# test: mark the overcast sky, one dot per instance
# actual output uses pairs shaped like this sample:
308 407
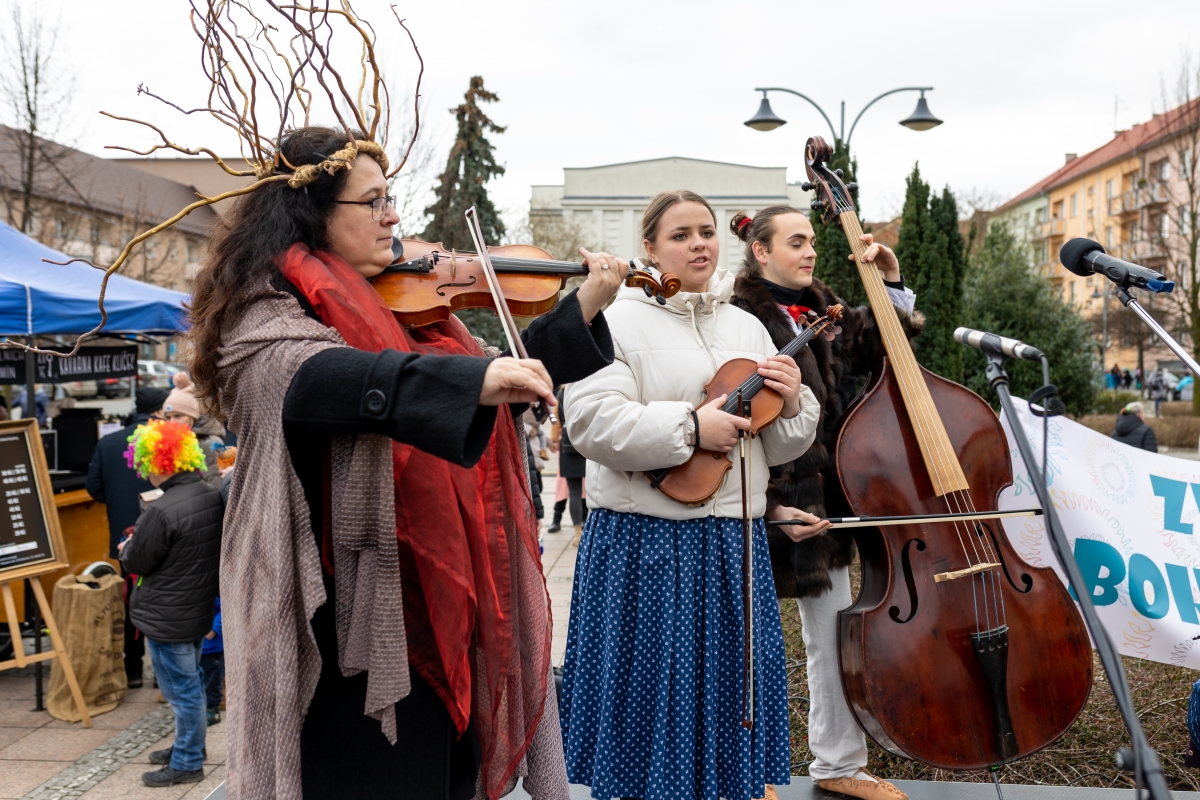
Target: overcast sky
1018 83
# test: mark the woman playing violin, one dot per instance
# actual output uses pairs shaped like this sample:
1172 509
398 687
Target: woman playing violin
372 457
777 286
653 679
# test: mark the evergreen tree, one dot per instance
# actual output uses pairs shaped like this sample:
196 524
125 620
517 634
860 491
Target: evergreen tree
931 253
472 163
834 267
1003 295
912 226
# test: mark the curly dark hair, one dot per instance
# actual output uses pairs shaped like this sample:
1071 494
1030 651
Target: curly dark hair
241 255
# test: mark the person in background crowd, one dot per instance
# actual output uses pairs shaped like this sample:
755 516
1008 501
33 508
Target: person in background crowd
1114 377
41 404
1157 386
175 551
1192 757
1137 379
212 667
1126 379
535 461
111 481
182 406
572 468
1131 429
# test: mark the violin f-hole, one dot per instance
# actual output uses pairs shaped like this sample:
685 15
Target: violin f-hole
906 564
454 286
982 528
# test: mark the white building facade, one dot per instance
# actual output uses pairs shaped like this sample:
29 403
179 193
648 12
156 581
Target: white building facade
607 202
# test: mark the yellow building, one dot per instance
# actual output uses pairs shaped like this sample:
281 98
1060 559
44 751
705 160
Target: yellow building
1114 195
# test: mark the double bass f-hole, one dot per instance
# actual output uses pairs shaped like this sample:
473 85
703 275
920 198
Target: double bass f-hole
983 529
906 564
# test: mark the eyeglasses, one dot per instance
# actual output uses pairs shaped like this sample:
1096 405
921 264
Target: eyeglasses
380 206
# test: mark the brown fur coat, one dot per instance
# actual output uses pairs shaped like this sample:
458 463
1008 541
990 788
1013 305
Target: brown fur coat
832 371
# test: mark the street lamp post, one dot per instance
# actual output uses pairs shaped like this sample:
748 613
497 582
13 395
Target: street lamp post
921 119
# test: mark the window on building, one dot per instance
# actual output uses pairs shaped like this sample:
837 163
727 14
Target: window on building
151 247
60 227
1091 213
1074 205
1058 210
1089 280
1044 214
1108 236
1109 188
1163 169
1185 163
95 231
1091 190
1185 221
1164 226
1072 292
192 252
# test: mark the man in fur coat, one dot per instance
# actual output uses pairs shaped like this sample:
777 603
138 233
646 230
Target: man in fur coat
777 286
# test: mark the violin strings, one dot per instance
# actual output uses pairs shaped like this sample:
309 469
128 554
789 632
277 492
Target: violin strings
922 402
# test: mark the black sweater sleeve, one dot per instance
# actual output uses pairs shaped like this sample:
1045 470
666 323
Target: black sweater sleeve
428 401
567 346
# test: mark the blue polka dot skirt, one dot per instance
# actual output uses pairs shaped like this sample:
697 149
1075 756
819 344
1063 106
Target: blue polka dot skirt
652 684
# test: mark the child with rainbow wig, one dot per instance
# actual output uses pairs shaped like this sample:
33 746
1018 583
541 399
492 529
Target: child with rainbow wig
175 552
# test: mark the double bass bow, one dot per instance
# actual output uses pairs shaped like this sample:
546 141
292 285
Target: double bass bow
956 652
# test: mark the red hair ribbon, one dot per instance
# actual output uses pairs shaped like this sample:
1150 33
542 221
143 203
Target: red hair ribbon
745 221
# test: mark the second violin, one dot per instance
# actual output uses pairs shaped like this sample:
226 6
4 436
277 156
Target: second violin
432 282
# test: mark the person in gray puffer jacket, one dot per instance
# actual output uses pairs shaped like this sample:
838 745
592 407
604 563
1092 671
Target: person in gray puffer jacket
175 551
1131 428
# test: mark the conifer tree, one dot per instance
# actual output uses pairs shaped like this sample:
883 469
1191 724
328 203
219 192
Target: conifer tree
472 163
912 225
834 267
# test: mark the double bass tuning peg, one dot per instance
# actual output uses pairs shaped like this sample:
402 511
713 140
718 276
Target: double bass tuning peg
817 205
806 186
852 187
839 173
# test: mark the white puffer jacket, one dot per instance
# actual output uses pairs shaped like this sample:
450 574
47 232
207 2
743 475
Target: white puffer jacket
635 414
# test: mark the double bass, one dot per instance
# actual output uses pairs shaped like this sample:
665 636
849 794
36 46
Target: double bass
956 652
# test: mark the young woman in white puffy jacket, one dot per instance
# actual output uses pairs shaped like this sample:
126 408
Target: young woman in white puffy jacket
652 685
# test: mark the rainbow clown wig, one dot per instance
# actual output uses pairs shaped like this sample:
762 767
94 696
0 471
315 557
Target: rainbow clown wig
164 448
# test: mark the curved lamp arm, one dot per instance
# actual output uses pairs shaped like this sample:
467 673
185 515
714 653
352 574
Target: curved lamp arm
921 89
765 89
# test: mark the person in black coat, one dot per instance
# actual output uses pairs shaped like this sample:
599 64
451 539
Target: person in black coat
175 551
111 481
1131 429
572 466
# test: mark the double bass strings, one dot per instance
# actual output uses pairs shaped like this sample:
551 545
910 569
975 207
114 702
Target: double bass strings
922 415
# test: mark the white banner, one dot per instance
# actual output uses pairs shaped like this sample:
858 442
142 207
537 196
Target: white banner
1129 517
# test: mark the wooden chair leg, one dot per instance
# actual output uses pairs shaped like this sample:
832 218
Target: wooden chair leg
14 627
61 651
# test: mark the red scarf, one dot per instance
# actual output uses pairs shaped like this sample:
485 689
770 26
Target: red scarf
454 526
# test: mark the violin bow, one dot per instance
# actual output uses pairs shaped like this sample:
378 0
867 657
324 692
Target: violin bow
515 345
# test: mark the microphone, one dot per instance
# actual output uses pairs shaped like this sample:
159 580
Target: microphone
997 345
1086 257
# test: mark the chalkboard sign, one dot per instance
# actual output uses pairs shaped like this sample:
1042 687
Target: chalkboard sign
30 539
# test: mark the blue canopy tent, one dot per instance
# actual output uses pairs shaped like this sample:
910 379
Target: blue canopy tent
43 299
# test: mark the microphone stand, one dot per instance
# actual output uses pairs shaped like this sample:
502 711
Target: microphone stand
1147 767
1129 301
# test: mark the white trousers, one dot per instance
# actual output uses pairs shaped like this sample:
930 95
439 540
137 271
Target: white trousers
838 745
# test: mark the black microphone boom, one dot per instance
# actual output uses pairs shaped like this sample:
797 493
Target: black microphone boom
997 345
1086 257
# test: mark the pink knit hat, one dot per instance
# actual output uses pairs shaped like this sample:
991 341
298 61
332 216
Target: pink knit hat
182 399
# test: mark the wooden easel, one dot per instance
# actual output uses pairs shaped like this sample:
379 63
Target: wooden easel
35 459
59 652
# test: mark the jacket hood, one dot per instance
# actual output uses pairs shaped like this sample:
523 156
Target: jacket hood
1127 424
720 290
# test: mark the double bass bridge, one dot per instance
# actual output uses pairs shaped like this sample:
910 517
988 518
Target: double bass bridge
963 573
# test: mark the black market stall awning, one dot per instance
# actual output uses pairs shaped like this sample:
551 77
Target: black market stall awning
89 364
37 298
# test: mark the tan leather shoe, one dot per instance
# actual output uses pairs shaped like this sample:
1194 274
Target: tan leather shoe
879 789
769 793
578 535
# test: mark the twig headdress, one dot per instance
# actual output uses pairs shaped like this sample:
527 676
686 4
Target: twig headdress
265 59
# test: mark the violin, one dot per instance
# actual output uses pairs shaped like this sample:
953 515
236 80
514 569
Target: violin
432 282
697 480
956 652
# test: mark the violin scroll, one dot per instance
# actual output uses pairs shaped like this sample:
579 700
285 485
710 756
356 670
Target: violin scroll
662 287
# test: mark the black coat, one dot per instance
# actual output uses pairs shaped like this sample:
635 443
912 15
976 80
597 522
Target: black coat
1132 431
176 552
110 480
571 463
832 371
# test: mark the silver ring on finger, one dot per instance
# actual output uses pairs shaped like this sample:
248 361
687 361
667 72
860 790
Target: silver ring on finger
604 265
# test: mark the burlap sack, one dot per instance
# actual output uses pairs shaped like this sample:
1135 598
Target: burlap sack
92 624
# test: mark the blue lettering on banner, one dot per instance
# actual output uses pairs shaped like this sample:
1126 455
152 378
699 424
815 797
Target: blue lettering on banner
1173 493
1092 556
1181 587
1142 571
